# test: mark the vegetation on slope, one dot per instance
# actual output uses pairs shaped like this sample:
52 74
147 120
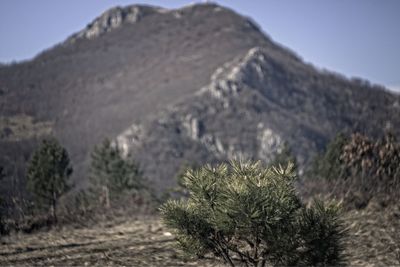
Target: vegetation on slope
359 170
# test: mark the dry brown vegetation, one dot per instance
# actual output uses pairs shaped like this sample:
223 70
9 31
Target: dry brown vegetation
130 242
373 241
19 127
374 236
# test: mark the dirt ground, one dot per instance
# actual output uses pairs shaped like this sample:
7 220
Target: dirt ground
374 241
374 237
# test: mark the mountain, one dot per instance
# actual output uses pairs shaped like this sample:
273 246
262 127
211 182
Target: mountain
180 87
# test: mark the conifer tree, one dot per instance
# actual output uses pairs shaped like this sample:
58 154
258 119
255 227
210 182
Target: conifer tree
48 174
329 165
249 215
111 173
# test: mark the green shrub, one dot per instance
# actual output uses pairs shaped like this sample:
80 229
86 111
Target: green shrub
247 214
48 174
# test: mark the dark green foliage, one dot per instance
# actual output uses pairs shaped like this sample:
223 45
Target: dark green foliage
250 215
322 233
48 173
113 172
329 165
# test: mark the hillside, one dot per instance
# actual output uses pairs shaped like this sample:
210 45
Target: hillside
174 87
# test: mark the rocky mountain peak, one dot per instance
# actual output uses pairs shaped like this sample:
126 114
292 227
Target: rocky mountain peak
113 18
118 16
195 85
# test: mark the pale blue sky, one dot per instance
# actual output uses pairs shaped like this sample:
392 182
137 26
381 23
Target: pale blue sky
353 37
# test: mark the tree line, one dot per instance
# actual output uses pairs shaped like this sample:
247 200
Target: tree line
246 213
49 171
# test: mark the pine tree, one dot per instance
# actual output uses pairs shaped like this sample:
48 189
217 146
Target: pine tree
329 165
48 174
111 173
249 215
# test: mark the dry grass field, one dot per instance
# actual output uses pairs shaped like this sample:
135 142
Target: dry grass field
374 240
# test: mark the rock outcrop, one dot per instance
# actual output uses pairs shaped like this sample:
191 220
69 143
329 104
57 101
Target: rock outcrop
183 87
238 115
114 18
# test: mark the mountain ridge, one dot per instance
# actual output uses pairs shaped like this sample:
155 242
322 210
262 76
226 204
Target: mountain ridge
230 95
188 86
114 18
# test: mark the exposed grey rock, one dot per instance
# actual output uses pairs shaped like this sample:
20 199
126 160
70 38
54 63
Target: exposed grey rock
196 85
270 143
129 139
193 126
114 18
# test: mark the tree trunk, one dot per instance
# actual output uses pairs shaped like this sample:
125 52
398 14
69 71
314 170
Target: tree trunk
106 196
54 208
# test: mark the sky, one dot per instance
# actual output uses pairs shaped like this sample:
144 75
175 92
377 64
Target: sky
357 38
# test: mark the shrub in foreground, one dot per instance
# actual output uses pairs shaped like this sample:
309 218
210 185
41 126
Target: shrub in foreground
249 215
